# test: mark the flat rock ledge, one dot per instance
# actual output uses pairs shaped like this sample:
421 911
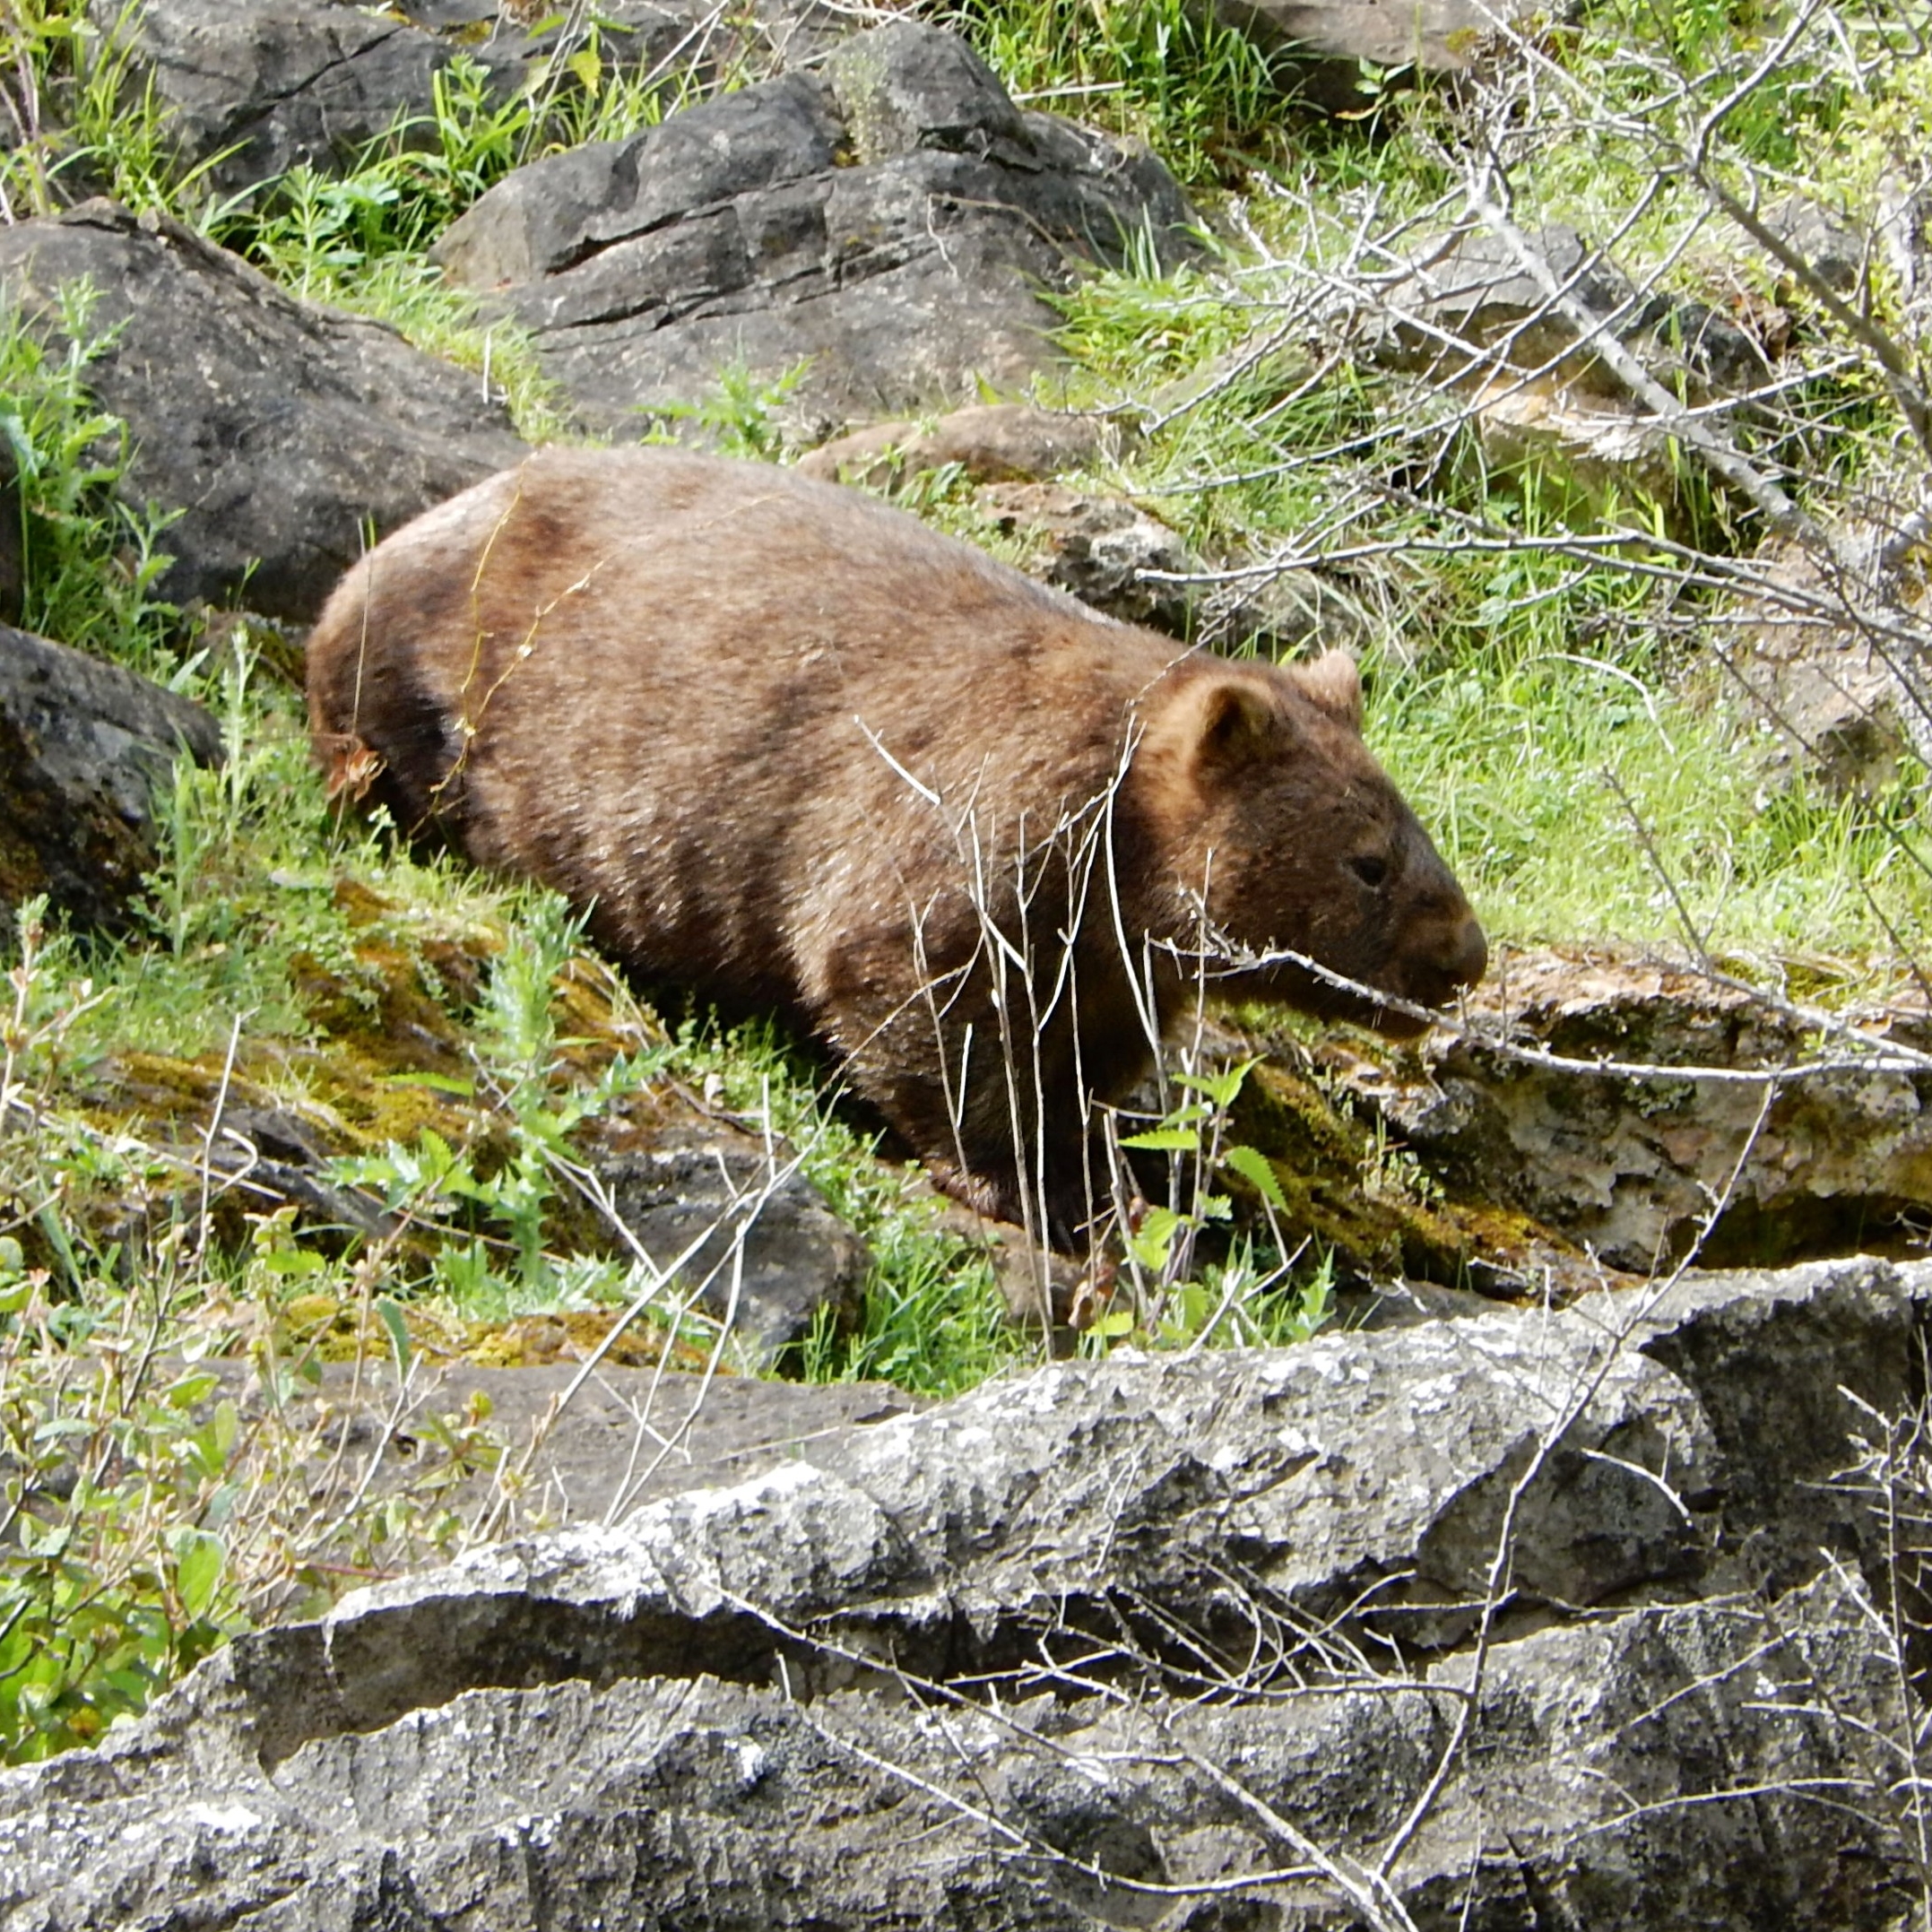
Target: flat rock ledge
1518 1620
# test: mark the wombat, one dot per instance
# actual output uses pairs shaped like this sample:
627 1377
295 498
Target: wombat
796 751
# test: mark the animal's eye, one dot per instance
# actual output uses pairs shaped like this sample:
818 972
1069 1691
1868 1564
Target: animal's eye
1370 867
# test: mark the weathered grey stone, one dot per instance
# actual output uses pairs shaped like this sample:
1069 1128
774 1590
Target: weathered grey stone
1904 237
1832 249
1788 1368
1438 36
1357 1484
83 746
1102 549
990 443
766 1251
279 430
658 1803
1473 285
1629 1164
625 1436
257 87
1836 661
703 1717
1471 315
890 225
1283 612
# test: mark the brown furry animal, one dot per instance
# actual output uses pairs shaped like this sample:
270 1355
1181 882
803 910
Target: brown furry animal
798 752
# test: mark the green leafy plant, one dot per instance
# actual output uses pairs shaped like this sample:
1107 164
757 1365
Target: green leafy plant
90 563
85 123
1174 1301
740 412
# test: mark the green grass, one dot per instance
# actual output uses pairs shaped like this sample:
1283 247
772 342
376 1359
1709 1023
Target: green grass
1158 71
91 561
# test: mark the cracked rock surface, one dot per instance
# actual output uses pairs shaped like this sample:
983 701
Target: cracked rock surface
886 223
83 746
257 87
277 429
1520 1619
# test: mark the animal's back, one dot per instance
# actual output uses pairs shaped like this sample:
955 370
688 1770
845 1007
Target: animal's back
706 695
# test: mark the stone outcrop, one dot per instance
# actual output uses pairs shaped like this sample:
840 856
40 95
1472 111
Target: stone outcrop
1437 36
1474 315
1833 656
887 223
765 1252
255 87
280 431
1106 551
1507 1621
1629 1163
987 442
83 745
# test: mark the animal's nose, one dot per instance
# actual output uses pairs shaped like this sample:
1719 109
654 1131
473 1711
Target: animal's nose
1468 958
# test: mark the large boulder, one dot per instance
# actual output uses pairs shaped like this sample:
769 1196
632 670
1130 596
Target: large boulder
1834 652
254 87
83 745
889 223
284 434
1459 1623
987 442
1474 314
1618 1101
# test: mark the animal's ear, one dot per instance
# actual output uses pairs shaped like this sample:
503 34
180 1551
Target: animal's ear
1234 721
1334 685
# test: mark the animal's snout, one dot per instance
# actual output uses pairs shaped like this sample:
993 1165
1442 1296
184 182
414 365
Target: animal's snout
1468 958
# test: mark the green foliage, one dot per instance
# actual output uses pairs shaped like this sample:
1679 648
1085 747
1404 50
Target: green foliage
1171 1299
90 563
541 1106
1201 95
932 1319
115 1583
88 126
740 417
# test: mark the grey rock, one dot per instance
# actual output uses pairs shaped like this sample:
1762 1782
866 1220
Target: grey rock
1836 661
1903 234
278 430
1788 1368
624 1436
989 443
660 1801
257 87
1109 554
1834 250
1628 1164
765 1252
1053 1654
1438 36
1472 285
888 225
83 746
1282 612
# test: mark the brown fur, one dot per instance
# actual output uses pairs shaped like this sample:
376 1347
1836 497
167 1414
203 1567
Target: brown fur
800 752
